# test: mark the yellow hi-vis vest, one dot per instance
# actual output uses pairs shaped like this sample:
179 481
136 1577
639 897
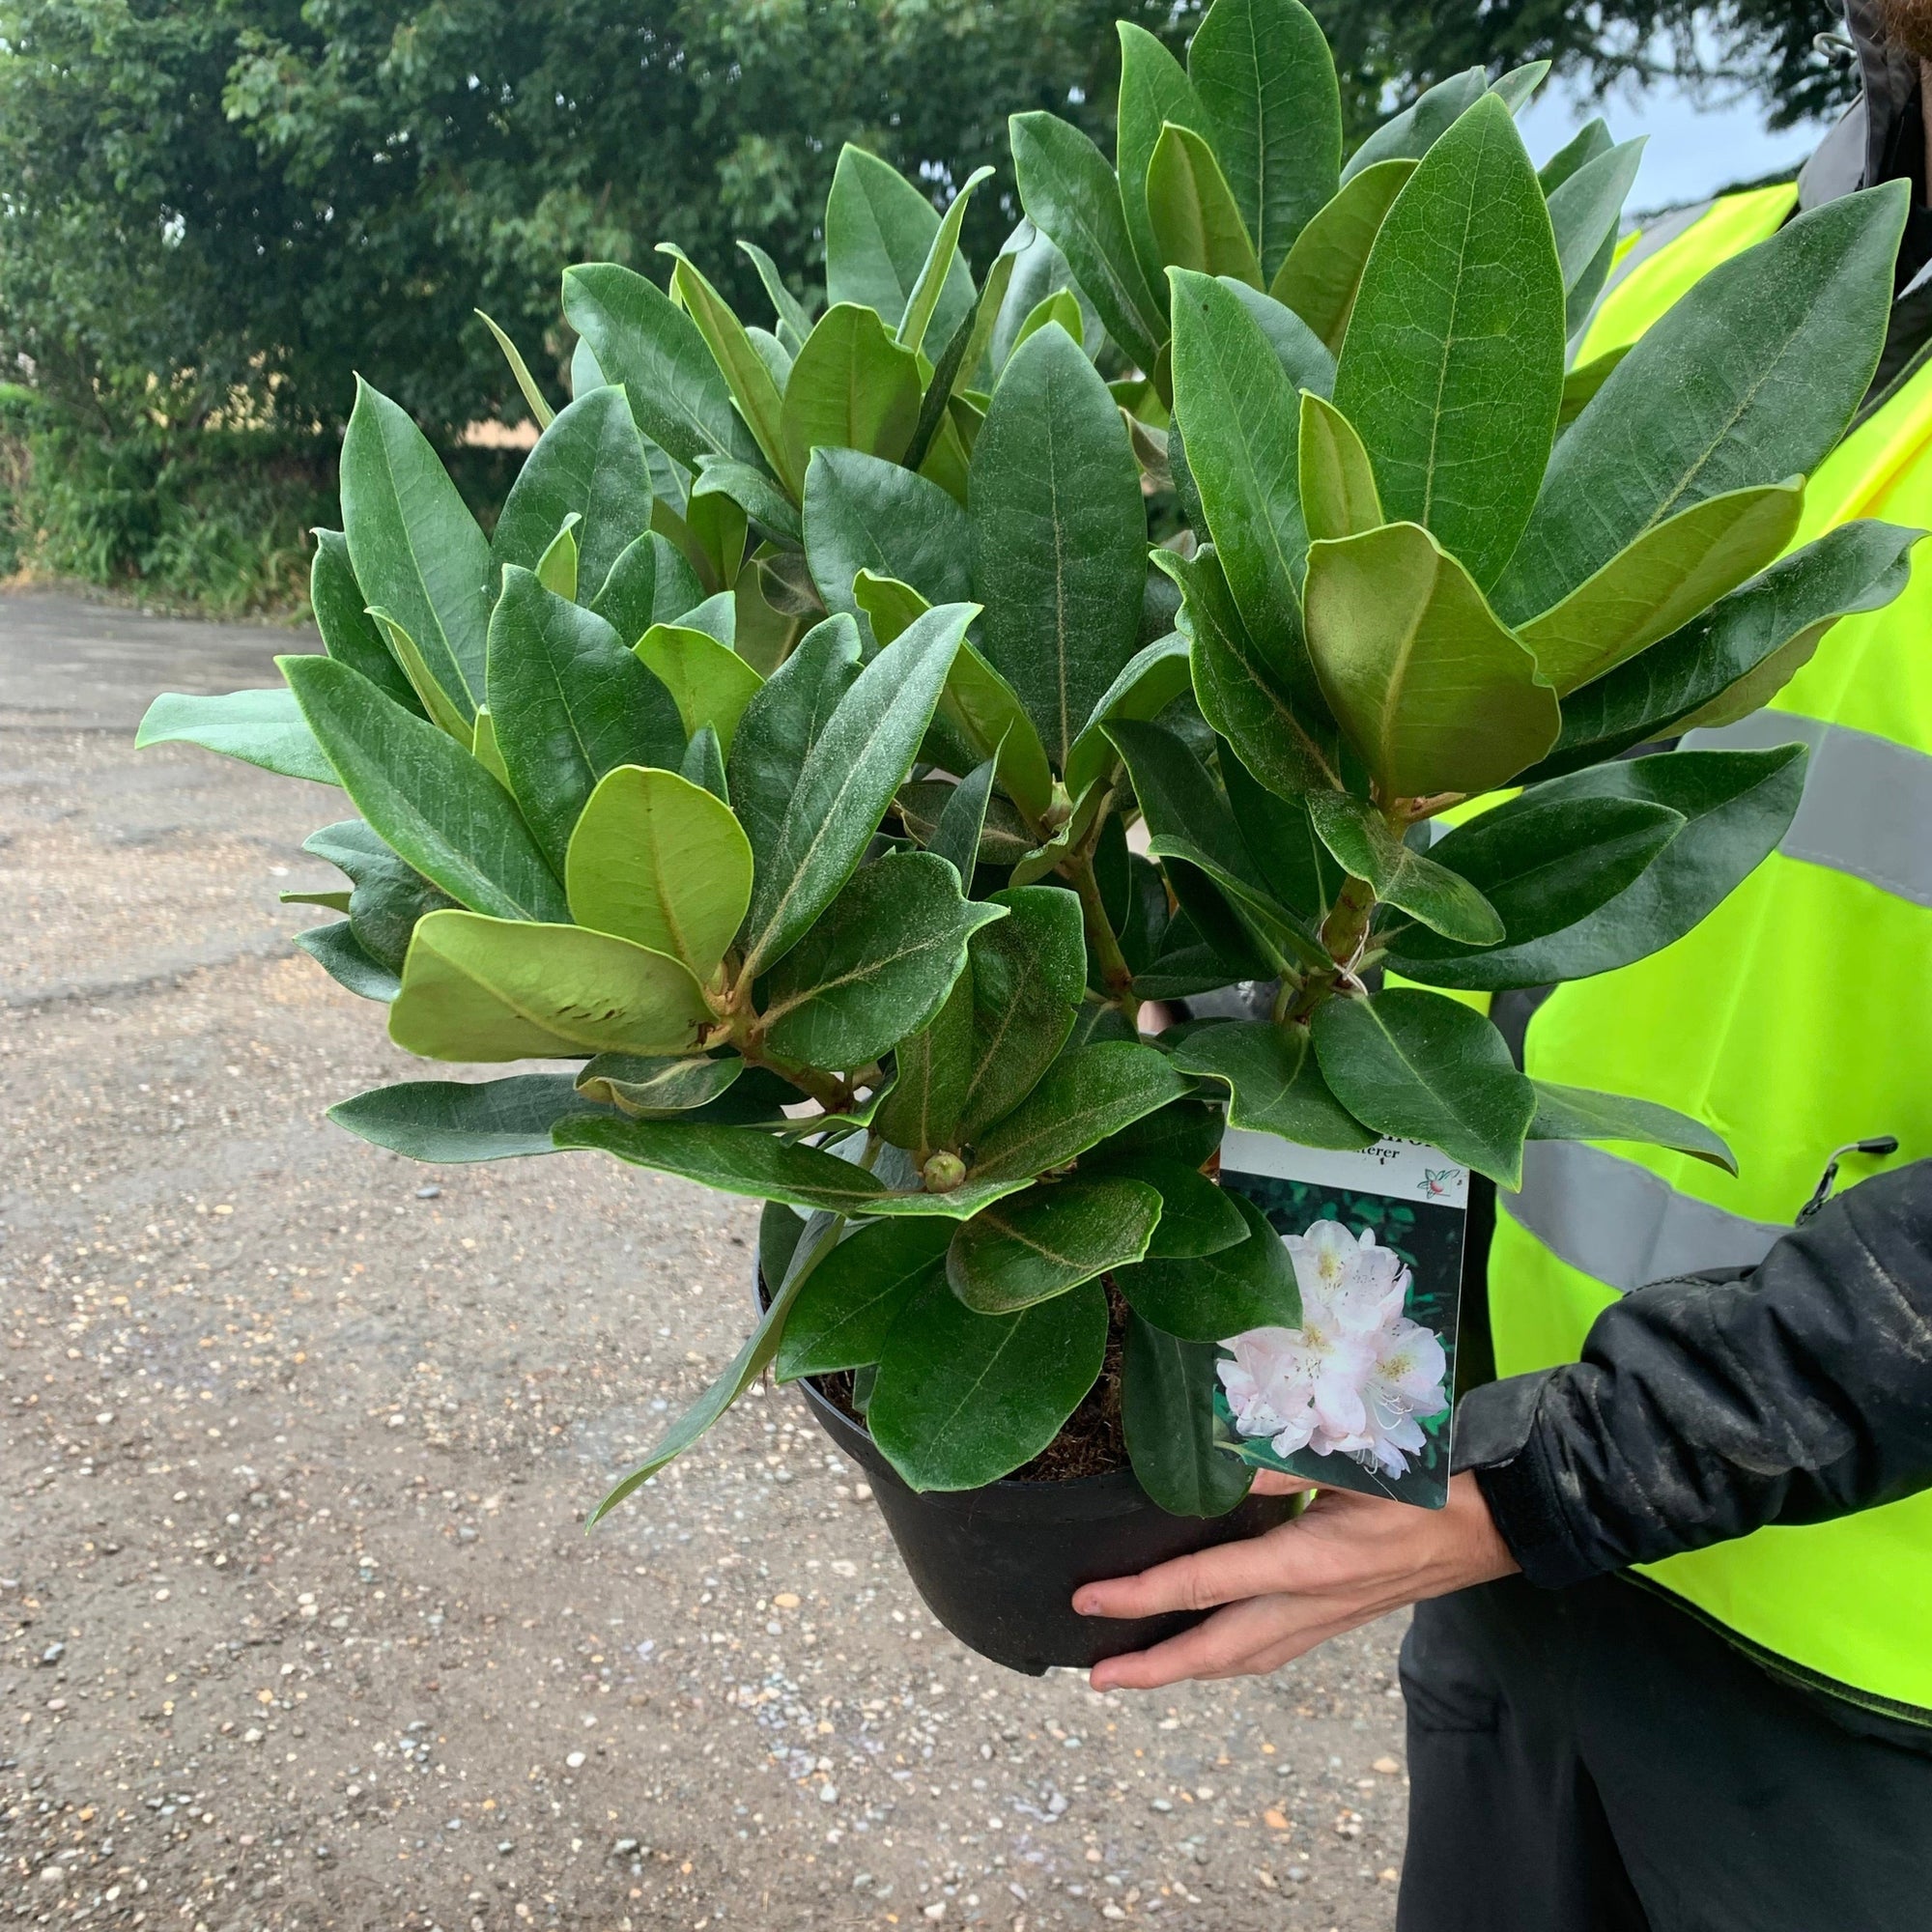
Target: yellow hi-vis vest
1797 1019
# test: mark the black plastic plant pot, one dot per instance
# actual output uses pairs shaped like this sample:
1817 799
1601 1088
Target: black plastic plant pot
999 1566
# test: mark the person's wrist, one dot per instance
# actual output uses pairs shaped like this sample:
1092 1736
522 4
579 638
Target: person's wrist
1473 1549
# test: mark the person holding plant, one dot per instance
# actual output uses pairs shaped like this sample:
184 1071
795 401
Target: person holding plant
1671 1660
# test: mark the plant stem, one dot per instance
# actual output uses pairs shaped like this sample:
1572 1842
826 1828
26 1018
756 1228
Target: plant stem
1114 971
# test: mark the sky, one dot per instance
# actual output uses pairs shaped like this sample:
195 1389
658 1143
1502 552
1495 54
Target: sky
1692 152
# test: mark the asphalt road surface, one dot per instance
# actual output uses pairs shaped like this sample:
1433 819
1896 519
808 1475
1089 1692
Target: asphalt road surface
299 1623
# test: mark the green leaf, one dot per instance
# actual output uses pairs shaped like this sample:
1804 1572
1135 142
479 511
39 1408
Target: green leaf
1585 208
1151 680
1085 1096
853 387
1589 141
1338 482
743 1160
1322 274
1738 805
1061 306
963 1400
1545 863
1029 973
879 230
568 703
1059 536
425 796
479 988
941 258
704 763
655 859
1048 1240
845 781
539 404
793 323
259 727
1073 198
877 967
1274 1085
1250 1285
649 583
1410 135
1167 1411
448 714
1196 1217
1191 208
861 513
890 606
1577 1114
349 633
1433 692
845 1311
1452 370
1672 572
708 682
1299 350
934 1069
1428 1069
1517 89
958 362
1288 852
1765 359
590 461
388 897
1279 727
1154 90
347 961
556 568
990 717
678 395
661 1087
1267 81
415 547
452 1120
1241 416
763 501
737 356
1364 842
963 823
716 617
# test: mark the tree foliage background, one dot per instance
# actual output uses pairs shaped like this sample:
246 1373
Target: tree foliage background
214 211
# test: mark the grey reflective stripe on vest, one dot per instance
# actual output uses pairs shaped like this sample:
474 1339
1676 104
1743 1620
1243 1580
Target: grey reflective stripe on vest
1622 1226
1867 802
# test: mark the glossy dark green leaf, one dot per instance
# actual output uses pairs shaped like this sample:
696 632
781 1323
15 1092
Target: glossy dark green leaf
963 1400
1322 274
1154 90
878 232
1264 74
1428 1069
1167 1411
415 547
1765 359
641 338
1274 1085
845 781
569 703
1296 867
1196 1216
259 727
1048 1240
1545 863
1074 199
451 1120
1738 805
1411 133
1085 1096
1059 536
761 498
425 796
349 633
956 836
1740 651
853 387
1579 1114
934 1069
591 461
1250 1285
845 1313
1191 208
704 763
1364 842
388 897
347 961
781 1229
861 513
651 582
1029 973
654 1087
1452 370
877 965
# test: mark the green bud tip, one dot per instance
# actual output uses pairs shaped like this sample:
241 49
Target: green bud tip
943 1173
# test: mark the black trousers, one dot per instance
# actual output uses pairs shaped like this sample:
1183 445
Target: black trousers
1596 1760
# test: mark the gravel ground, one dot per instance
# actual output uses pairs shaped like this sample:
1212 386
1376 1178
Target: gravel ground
299 1623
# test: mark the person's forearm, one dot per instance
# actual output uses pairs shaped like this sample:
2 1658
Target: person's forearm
1701 1411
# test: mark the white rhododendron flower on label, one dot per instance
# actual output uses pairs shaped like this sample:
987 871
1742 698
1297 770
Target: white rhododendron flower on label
1357 1375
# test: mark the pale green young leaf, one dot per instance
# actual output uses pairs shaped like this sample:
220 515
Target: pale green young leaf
1154 90
879 230
540 410
449 1122
1192 213
1338 482
794 325
556 568
922 303
737 355
708 682
259 727
452 713
852 387
1321 276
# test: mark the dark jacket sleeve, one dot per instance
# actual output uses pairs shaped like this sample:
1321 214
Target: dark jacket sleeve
1704 1409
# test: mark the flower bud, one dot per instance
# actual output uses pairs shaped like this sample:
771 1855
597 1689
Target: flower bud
943 1173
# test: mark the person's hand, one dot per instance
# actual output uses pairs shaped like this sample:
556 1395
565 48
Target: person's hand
1346 1560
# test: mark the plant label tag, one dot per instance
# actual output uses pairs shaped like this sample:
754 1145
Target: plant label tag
1358 1396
